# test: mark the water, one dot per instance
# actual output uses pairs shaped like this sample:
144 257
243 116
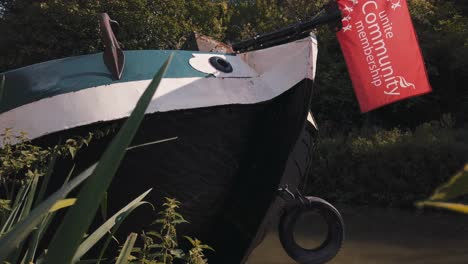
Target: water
382 236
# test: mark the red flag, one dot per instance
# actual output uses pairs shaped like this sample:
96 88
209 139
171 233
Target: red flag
382 52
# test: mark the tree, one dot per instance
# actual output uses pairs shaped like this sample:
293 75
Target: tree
43 30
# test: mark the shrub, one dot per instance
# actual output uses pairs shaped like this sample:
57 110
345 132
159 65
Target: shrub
387 167
162 246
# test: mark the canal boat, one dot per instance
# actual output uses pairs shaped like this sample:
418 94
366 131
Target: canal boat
238 125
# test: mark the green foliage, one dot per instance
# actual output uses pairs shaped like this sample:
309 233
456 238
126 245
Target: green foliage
125 253
25 169
442 30
168 234
53 29
78 219
5 209
386 167
22 165
110 228
457 186
250 18
196 255
27 219
21 160
162 247
16 230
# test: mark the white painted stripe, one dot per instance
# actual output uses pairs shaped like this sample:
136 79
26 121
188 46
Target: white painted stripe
116 101
264 60
152 143
311 120
200 62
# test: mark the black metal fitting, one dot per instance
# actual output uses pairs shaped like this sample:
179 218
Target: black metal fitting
221 64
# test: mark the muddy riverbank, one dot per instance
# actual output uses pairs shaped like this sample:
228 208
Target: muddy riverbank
375 235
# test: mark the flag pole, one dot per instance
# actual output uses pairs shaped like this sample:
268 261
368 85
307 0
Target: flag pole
331 13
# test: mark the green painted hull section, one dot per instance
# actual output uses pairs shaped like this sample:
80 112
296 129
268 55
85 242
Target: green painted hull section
47 79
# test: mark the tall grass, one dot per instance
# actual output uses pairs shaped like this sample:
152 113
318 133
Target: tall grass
29 215
444 195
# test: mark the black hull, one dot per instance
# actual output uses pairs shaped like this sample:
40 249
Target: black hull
225 168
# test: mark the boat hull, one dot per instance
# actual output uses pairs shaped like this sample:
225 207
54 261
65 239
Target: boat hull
224 167
235 131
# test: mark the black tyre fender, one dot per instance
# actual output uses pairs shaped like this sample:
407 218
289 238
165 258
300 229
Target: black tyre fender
335 235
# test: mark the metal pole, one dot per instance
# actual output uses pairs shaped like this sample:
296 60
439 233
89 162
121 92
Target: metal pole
290 33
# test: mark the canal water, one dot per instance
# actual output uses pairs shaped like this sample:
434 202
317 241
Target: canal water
381 236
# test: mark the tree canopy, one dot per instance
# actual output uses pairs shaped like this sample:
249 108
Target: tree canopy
35 31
